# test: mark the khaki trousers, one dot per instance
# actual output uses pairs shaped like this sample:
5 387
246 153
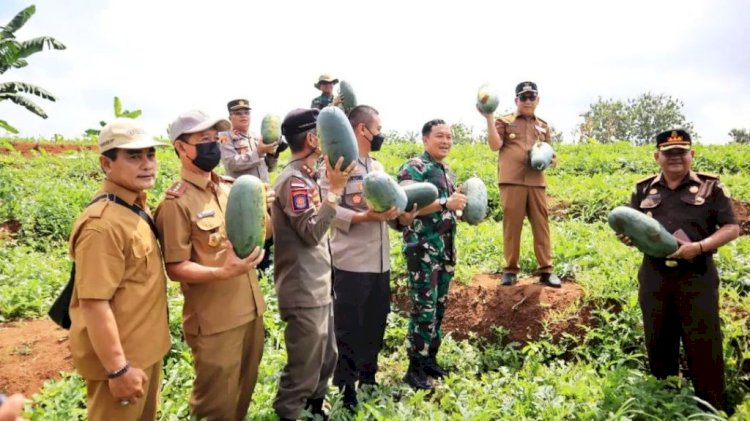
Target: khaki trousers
226 370
105 407
519 202
311 358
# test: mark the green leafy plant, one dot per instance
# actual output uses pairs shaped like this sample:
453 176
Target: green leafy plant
119 113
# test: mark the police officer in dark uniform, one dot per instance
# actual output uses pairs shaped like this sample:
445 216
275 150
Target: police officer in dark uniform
679 294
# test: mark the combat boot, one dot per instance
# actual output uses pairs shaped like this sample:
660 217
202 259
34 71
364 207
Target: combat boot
432 369
416 377
349 394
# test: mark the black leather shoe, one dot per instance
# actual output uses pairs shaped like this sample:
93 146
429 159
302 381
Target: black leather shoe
315 406
416 377
432 369
509 279
550 279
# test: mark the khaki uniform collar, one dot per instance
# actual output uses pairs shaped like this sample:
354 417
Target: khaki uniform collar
200 181
127 195
691 176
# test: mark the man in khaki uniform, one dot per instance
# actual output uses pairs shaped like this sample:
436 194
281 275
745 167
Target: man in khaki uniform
223 309
302 269
360 250
243 153
118 311
522 188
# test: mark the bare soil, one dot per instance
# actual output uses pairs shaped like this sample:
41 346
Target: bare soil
742 212
26 148
31 352
522 308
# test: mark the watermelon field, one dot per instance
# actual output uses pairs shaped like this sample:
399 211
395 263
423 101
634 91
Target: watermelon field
516 353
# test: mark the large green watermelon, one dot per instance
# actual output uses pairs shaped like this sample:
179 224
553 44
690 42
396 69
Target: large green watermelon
420 193
541 155
336 136
646 233
270 128
487 99
476 200
349 97
382 192
245 216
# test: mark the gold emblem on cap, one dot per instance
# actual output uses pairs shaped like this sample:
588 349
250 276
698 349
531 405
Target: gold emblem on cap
652 191
512 136
693 189
359 186
242 103
527 85
674 138
670 263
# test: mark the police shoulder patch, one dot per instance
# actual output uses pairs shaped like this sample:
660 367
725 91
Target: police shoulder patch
177 190
300 200
297 183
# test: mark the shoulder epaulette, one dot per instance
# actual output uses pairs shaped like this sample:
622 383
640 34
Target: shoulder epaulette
97 209
645 179
542 121
708 175
508 118
177 190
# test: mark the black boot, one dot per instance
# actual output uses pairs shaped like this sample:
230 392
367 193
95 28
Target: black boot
416 377
315 406
432 369
349 396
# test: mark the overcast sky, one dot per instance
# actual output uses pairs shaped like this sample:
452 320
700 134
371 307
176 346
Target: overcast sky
413 60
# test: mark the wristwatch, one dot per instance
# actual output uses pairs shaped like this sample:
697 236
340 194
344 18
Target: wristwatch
333 197
443 202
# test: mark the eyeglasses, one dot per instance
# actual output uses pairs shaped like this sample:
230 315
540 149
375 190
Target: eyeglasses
524 98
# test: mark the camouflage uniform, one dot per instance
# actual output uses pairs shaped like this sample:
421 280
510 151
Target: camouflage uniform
430 257
321 101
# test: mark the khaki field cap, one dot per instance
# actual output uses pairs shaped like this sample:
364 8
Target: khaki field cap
325 78
125 133
195 121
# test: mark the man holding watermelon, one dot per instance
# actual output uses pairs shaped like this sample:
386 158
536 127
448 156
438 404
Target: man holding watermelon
523 189
430 252
679 294
222 316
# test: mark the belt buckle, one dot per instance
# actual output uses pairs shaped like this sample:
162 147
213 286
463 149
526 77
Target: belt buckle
671 263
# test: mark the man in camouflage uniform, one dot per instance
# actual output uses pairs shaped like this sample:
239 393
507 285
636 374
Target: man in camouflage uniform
325 84
430 252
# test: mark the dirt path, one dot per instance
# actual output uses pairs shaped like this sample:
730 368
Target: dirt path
26 148
31 352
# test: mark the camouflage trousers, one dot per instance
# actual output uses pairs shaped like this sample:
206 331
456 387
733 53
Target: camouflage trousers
429 279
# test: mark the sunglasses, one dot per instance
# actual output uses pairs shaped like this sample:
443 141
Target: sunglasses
524 98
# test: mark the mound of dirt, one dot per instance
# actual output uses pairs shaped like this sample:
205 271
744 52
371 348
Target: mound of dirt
30 353
522 309
742 212
26 148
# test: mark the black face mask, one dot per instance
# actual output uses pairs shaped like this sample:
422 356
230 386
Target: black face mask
207 156
376 142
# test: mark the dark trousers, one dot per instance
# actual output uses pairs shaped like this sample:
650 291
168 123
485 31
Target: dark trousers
267 257
361 306
684 306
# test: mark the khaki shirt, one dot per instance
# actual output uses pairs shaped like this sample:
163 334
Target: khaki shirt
519 134
117 259
191 227
251 162
301 260
355 247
